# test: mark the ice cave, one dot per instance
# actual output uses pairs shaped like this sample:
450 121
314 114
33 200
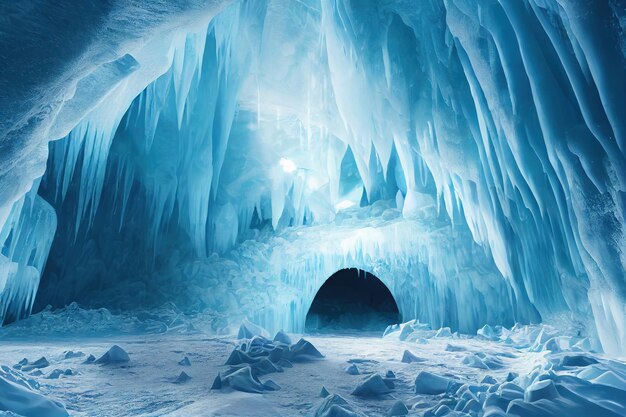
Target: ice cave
327 208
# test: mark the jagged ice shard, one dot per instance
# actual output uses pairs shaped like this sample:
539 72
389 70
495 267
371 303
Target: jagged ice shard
230 156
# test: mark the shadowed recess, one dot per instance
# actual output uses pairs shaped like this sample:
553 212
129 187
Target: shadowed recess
352 299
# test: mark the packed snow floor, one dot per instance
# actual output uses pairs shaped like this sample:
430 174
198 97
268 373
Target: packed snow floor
432 373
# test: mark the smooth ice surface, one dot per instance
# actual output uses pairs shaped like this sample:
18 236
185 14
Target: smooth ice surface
484 143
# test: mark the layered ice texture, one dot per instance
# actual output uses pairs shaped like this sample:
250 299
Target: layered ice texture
470 154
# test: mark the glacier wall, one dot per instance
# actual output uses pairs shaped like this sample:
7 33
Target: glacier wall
505 116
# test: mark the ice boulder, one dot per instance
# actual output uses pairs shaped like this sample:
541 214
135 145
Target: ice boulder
324 392
444 332
238 357
26 366
71 354
217 382
270 385
487 332
114 355
398 409
488 379
541 390
57 373
247 330
242 380
282 337
184 361
182 378
409 357
428 383
304 351
353 370
392 328
372 386
335 405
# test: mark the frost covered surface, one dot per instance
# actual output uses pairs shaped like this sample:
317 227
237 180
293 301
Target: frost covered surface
540 372
500 121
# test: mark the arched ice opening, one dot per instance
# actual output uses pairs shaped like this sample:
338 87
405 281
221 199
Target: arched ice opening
352 299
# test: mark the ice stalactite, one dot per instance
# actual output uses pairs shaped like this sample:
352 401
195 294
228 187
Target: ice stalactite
501 116
25 242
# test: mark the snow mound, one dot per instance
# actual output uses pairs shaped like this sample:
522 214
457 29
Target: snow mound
18 396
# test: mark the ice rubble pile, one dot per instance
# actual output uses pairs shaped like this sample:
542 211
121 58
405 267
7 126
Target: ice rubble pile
575 388
434 271
506 115
533 337
567 379
74 320
257 356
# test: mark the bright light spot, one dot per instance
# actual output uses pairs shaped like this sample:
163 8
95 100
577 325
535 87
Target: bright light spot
313 184
342 205
287 165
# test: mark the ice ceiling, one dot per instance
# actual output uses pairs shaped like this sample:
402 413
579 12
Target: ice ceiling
232 156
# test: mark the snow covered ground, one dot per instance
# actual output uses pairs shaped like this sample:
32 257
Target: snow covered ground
529 371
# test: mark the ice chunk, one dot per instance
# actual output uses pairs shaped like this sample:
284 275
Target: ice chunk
238 356
335 405
428 383
488 379
303 350
352 370
409 357
114 355
372 386
184 361
541 390
324 392
39 363
398 409
71 354
444 332
247 330
217 382
270 385
242 380
282 337
182 378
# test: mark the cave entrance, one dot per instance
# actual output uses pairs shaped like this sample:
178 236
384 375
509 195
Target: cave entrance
352 299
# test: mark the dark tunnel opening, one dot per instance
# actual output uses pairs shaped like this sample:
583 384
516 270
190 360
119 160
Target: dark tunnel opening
349 300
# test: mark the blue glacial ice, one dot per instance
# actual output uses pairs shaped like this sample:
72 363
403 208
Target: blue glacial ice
470 154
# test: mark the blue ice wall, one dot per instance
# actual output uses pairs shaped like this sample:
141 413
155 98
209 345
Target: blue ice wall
505 117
